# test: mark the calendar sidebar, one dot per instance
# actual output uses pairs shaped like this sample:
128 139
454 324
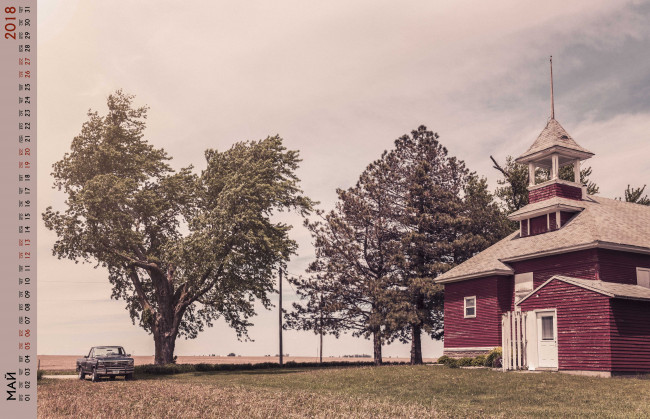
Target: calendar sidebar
18 361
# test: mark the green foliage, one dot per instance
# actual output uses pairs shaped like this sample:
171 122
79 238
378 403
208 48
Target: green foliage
181 249
635 195
489 360
513 187
171 369
442 359
353 278
493 359
465 362
39 375
451 363
479 361
414 214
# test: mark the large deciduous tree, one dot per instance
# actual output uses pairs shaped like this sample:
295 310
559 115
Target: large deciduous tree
182 249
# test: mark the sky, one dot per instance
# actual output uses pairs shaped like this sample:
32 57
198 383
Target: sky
339 81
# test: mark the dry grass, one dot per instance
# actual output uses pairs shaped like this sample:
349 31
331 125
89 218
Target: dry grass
393 391
182 399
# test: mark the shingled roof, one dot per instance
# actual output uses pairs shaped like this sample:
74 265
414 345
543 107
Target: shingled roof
609 289
553 136
604 223
557 202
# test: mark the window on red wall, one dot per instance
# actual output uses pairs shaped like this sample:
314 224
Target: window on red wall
538 225
470 307
643 277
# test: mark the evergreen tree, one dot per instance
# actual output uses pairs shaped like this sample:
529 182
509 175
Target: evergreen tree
636 196
414 214
442 211
352 283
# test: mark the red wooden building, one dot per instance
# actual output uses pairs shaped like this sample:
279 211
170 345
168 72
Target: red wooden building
568 291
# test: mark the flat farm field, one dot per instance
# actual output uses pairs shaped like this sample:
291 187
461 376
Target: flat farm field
363 392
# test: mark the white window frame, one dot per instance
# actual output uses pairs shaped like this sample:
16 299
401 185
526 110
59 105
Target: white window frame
638 276
465 307
526 277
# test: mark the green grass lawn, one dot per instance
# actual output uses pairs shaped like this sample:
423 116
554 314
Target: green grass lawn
390 391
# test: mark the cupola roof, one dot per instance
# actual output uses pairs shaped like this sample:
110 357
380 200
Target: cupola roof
554 139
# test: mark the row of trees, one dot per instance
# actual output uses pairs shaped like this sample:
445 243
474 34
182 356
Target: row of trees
183 249
413 214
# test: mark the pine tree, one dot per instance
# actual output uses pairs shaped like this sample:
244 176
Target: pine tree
414 214
443 212
351 284
635 195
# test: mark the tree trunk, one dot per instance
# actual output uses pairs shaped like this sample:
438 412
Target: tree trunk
166 320
376 340
416 345
165 342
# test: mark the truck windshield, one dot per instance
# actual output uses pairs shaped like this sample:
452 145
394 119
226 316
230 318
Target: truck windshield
109 351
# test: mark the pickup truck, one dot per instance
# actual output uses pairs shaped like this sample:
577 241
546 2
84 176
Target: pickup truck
105 361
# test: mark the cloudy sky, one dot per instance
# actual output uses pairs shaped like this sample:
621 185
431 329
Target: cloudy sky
339 81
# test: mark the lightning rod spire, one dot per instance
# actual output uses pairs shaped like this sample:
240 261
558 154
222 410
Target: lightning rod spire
552 102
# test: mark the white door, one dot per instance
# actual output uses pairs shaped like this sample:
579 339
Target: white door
547 339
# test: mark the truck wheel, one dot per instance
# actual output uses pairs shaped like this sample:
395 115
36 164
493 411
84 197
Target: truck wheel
82 376
95 377
128 377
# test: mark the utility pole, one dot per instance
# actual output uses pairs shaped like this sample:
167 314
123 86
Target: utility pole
321 329
280 313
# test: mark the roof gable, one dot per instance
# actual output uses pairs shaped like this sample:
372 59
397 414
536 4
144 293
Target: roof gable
608 289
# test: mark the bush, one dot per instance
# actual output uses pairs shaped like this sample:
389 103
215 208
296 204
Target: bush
465 362
443 359
170 369
493 359
479 361
451 363
39 374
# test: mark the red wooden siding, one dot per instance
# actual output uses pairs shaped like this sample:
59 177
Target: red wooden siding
582 264
553 190
538 225
630 336
583 325
493 297
621 267
565 216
